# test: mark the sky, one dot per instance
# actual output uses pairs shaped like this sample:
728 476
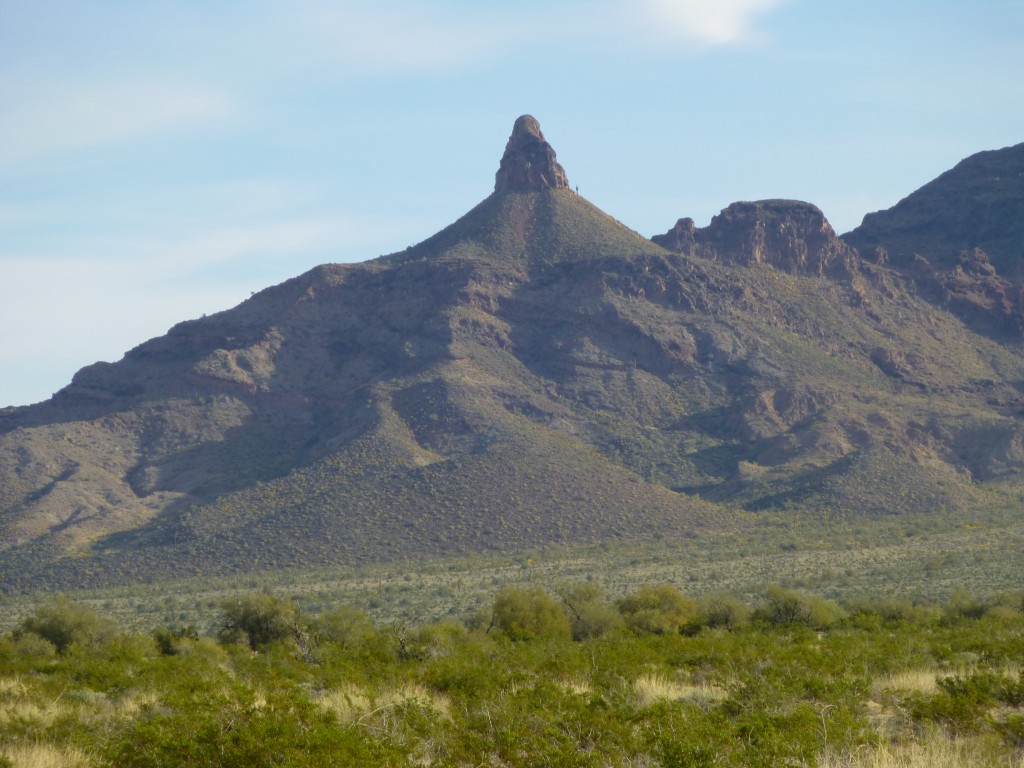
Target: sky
163 160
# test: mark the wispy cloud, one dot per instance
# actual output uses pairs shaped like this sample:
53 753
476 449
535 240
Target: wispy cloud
86 116
707 22
394 38
401 37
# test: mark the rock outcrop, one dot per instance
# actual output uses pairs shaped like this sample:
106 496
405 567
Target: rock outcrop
529 163
787 234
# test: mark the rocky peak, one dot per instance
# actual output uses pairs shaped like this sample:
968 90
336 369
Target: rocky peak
529 163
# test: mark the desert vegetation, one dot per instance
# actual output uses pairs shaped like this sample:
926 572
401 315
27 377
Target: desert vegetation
544 674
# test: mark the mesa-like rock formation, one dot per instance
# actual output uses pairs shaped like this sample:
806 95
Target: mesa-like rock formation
790 235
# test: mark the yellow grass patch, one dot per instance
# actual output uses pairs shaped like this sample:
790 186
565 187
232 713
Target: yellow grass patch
351 702
415 694
936 751
12 686
30 711
347 702
44 756
654 688
910 680
577 687
133 704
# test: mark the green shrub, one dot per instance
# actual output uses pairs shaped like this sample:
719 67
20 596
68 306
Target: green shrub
259 619
894 609
1012 731
347 626
724 610
787 606
524 613
30 644
170 641
963 605
658 609
64 624
590 615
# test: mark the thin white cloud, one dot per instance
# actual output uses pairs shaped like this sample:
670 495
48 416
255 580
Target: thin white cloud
365 38
398 37
707 22
79 117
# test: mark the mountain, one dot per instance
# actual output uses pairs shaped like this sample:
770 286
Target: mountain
535 373
962 238
977 204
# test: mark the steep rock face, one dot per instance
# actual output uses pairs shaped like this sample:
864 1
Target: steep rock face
984 299
787 234
529 163
977 204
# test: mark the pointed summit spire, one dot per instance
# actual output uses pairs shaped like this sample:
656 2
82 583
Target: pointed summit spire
529 163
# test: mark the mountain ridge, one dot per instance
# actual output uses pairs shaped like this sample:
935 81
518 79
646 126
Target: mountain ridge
534 373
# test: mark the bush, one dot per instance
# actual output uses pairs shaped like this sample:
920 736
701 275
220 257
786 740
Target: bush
724 610
589 614
657 608
786 606
527 613
347 626
259 619
64 624
170 641
963 605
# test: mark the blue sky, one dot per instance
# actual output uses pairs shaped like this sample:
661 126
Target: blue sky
162 160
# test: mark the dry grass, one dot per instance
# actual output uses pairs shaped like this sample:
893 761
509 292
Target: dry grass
133 704
32 712
576 686
13 686
923 681
350 703
45 756
651 689
415 694
935 751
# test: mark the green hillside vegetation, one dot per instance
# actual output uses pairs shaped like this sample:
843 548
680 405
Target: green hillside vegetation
541 226
791 679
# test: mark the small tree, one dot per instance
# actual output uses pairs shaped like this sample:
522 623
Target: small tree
261 619
786 606
65 623
590 615
724 609
658 608
524 613
347 626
